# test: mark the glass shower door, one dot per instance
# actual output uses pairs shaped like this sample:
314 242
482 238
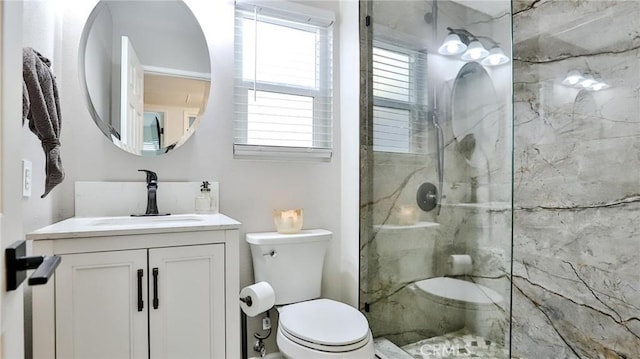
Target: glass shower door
436 178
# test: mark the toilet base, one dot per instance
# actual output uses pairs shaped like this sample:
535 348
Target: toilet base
292 350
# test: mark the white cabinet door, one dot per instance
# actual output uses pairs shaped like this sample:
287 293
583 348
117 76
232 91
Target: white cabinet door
97 305
187 316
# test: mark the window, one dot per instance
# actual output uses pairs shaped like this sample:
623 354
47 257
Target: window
283 81
399 98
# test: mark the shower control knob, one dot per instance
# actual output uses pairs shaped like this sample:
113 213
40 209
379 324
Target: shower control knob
427 197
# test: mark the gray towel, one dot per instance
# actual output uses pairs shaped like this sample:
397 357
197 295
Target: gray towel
42 108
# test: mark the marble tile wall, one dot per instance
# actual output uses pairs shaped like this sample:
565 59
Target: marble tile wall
576 275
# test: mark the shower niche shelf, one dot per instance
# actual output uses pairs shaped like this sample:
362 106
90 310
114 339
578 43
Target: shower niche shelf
482 206
382 227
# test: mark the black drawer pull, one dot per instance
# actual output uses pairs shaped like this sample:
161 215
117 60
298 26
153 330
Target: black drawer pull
155 288
140 301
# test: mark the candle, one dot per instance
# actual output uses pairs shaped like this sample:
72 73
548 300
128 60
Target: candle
290 215
288 221
407 215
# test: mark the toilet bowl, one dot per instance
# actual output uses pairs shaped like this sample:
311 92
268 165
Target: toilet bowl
459 293
308 326
456 304
324 328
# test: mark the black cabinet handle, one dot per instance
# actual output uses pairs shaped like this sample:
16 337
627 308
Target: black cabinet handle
140 301
155 288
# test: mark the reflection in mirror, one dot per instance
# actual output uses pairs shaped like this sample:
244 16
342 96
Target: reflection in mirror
153 129
476 114
146 71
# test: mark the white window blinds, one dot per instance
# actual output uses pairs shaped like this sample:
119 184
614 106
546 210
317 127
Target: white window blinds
283 82
400 98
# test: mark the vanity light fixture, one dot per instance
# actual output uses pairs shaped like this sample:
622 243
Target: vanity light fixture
452 45
573 78
475 51
584 81
461 41
496 57
587 81
599 86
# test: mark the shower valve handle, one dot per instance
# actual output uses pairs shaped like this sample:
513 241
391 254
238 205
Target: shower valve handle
427 196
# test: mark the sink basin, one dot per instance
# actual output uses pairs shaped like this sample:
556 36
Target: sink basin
159 220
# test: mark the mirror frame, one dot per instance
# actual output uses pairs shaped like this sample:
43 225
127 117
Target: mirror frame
103 125
480 144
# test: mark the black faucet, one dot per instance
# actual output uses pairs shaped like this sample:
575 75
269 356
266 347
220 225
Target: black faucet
152 188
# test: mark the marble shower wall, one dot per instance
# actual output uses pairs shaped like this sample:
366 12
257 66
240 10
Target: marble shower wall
576 279
475 217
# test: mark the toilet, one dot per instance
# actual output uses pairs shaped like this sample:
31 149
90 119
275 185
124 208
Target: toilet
459 293
461 304
308 326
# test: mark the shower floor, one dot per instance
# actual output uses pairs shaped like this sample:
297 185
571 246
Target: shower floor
453 345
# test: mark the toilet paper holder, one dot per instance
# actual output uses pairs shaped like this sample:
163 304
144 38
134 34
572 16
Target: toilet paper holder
247 300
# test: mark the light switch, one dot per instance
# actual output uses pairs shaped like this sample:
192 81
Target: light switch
26 178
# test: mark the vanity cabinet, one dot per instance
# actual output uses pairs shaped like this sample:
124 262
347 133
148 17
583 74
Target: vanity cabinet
121 305
157 295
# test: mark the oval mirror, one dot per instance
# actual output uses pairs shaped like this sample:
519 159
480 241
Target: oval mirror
146 73
476 114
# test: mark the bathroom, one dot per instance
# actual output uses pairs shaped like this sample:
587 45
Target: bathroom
575 164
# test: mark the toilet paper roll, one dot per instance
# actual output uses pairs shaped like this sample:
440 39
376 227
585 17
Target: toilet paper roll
459 264
262 298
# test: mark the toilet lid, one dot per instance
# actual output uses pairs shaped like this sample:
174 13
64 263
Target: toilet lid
459 290
324 322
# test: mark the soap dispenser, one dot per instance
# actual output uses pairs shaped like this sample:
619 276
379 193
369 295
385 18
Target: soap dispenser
203 200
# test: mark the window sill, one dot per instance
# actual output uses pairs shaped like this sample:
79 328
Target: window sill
281 153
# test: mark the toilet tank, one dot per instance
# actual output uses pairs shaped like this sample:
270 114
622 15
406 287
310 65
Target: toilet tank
290 263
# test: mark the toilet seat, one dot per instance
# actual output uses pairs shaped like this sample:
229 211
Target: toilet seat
456 291
324 325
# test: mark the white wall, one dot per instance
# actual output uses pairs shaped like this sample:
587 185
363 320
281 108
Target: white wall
349 103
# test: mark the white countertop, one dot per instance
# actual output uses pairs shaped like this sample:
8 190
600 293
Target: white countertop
80 227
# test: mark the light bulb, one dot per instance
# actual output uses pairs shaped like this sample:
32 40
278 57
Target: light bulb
573 78
496 57
452 48
599 86
475 51
452 45
587 81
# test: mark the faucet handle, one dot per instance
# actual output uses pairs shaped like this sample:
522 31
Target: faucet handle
151 176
